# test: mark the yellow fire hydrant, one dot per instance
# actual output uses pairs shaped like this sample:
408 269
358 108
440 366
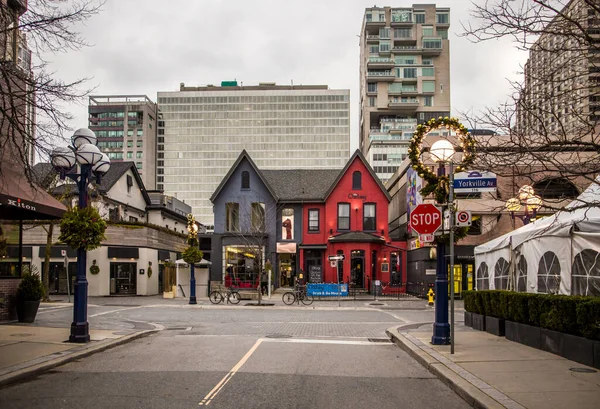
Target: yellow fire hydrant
430 295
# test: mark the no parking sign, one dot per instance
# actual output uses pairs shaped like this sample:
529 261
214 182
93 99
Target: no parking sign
463 218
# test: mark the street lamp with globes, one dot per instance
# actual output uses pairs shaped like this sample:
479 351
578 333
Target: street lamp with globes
528 201
92 162
441 152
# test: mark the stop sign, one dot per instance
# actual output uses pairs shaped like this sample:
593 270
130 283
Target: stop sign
426 218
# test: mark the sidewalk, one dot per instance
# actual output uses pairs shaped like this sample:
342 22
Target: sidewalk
493 372
27 350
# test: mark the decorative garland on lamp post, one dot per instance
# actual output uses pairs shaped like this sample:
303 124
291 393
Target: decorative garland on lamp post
439 185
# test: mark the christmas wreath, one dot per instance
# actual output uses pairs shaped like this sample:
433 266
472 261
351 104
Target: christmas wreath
94 269
82 228
439 184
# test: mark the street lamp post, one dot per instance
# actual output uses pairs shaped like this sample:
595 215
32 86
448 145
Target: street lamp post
92 162
441 151
192 241
528 201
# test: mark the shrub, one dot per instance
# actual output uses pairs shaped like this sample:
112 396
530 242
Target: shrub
192 255
82 228
31 287
588 318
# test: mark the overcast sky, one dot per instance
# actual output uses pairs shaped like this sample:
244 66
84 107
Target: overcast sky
147 46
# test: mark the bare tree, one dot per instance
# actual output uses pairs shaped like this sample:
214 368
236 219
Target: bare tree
32 97
549 128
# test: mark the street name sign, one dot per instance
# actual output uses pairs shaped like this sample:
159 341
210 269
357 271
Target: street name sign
474 182
426 218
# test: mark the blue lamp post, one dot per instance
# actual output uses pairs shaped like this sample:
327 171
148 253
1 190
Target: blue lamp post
192 241
441 151
92 162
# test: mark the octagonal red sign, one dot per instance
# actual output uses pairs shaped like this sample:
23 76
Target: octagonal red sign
426 218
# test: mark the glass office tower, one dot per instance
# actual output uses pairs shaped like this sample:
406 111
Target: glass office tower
202 130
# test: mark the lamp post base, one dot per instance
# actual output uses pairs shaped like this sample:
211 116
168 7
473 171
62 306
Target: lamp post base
192 300
80 332
441 334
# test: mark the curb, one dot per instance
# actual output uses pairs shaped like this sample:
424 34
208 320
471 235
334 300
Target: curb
28 372
477 397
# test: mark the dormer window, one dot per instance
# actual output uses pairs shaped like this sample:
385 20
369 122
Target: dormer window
356 181
245 180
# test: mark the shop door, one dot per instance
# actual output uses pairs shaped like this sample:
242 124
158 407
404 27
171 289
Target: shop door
123 278
357 269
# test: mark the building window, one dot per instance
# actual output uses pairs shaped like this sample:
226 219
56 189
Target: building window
356 180
372 87
138 165
428 72
369 219
129 155
130 144
258 217
428 101
287 224
245 180
138 155
139 144
427 31
129 183
443 33
313 220
384 46
409 73
428 86
140 132
130 132
419 17
441 18
372 101
133 219
232 217
343 216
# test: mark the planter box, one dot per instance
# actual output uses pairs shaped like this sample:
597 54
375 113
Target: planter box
579 349
495 326
597 354
478 321
524 334
468 319
551 341
27 310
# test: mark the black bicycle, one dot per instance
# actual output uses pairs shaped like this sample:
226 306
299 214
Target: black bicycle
232 296
299 295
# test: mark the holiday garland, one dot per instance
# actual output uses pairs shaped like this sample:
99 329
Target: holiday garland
192 255
82 228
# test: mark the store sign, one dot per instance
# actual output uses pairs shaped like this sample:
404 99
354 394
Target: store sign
357 196
21 204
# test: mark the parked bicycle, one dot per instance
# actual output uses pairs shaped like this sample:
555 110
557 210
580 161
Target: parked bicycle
232 296
298 295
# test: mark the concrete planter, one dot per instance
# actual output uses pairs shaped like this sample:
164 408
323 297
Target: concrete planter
478 321
495 326
468 319
580 350
27 310
524 334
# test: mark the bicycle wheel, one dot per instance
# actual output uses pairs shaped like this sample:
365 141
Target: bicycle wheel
215 297
233 297
288 298
306 299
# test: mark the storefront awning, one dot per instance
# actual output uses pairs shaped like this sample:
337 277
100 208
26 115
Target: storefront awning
313 246
123 252
286 248
21 199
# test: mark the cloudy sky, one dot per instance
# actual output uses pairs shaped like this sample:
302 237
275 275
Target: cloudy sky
147 46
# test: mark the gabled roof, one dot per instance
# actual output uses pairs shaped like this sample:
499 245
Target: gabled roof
116 171
358 154
243 155
301 184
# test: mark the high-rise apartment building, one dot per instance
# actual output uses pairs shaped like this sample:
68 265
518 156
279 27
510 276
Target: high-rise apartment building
404 79
202 131
126 129
561 93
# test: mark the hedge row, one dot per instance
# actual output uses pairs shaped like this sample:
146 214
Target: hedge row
568 314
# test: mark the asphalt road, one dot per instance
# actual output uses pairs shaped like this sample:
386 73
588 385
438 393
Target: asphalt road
240 358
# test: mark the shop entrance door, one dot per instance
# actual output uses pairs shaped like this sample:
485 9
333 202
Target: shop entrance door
123 278
357 269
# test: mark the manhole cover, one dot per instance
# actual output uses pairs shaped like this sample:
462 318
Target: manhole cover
387 341
583 370
278 336
21 335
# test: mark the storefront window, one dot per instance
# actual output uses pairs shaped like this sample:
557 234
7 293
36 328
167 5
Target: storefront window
258 217
11 268
287 224
242 265
313 220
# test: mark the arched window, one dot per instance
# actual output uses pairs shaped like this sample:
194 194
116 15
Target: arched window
549 274
356 180
522 275
483 282
501 274
585 273
556 188
245 180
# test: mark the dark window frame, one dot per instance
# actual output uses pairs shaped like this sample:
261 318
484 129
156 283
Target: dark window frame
339 218
365 221
245 180
312 229
356 180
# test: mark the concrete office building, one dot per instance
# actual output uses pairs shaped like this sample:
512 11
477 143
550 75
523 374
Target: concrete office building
126 129
404 79
202 131
561 93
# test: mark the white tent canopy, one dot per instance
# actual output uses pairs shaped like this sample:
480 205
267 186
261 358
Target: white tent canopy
183 278
559 254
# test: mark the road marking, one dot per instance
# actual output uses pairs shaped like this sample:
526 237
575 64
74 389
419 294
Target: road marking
211 395
326 341
111 311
